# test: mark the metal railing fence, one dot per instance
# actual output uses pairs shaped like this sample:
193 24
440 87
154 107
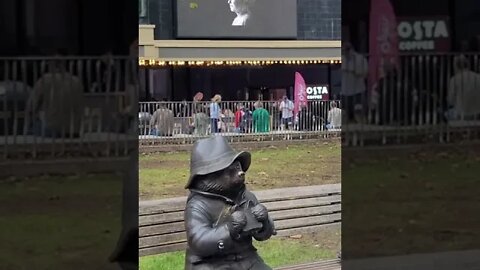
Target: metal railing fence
164 122
431 95
60 106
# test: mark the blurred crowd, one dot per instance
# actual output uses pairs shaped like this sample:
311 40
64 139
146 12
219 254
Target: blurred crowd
217 116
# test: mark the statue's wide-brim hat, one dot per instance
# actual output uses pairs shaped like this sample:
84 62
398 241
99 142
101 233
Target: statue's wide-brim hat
212 155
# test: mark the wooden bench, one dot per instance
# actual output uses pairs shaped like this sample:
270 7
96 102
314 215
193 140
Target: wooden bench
323 265
295 211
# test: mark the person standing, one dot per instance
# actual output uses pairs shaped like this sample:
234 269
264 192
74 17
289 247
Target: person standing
247 119
334 117
286 107
239 119
354 75
222 126
56 105
261 118
215 113
200 121
162 122
464 91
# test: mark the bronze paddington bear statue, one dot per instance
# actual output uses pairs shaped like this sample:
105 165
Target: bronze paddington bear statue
221 215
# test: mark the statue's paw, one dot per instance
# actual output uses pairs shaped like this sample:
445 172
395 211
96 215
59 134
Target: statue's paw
238 222
260 212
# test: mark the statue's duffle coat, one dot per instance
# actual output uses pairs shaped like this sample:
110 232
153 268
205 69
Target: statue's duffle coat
211 246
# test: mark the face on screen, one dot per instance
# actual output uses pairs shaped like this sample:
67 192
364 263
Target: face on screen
215 18
237 6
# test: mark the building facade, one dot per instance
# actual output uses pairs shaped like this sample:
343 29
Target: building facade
462 20
76 27
316 19
184 53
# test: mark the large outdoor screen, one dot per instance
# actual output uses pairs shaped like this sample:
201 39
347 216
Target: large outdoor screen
237 19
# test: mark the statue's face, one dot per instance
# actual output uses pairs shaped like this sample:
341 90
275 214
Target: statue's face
228 181
235 173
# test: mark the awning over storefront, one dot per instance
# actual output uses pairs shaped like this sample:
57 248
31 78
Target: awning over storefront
215 52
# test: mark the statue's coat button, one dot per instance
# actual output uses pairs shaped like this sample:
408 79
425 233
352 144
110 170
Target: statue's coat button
221 246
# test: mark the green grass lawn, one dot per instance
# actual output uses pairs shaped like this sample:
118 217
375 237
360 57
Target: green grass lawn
71 219
276 252
164 175
412 202
59 222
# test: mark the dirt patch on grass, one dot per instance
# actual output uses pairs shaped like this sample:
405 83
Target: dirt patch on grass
298 171
327 238
154 164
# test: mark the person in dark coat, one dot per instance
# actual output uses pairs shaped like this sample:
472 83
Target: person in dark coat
221 215
162 122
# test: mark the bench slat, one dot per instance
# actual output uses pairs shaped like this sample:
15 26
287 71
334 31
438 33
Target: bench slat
162 229
164 239
297 192
301 203
168 217
162 249
307 221
322 265
162 206
177 204
335 262
306 229
160 218
305 212
316 267
284 227
272 206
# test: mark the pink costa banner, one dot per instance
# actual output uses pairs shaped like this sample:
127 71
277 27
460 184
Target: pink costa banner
383 41
300 93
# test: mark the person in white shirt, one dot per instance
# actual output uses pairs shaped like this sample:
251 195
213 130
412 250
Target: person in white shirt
464 91
354 74
222 126
286 107
334 117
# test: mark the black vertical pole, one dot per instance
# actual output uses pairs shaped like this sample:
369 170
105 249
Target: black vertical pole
172 81
21 39
453 24
329 73
81 36
148 96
